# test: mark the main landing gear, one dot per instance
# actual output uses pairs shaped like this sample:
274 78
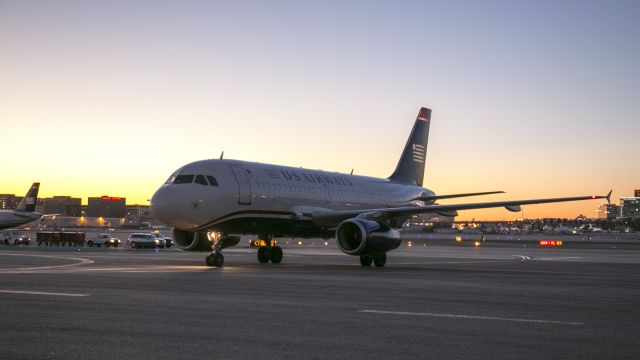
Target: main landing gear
378 260
269 252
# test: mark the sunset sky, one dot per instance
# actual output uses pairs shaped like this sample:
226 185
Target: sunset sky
537 98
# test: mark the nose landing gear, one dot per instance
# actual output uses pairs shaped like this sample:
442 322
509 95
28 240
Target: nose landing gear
218 242
215 259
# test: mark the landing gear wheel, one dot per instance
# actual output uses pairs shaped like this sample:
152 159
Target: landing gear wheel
215 259
366 260
275 255
263 254
380 260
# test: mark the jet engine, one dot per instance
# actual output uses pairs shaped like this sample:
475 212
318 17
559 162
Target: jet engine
365 237
199 241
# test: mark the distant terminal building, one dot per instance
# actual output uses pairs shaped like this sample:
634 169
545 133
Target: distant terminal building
139 215
630 207
106 207
609 212
62 205
9 201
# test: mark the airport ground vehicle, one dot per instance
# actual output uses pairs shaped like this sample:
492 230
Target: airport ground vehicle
144 240
104 239
60 238
15 237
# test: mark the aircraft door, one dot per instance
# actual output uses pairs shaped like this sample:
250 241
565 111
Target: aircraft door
244 186
327 193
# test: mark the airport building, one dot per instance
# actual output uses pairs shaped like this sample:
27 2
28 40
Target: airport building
139 216
630 207
106 207
62 205
9 201
609 212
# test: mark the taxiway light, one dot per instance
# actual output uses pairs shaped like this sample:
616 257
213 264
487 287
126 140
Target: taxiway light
409 243
477 243
299 242
458 238
326 243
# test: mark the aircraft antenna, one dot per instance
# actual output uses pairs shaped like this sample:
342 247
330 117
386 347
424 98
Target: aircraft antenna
351 171
222 155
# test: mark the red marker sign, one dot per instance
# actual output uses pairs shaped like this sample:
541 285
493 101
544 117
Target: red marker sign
550 243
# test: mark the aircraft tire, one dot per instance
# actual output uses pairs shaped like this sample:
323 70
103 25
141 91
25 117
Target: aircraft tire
275 255
263 254
217 259
380 260
366 260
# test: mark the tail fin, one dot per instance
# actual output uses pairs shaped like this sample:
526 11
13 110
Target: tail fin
410 169
28 203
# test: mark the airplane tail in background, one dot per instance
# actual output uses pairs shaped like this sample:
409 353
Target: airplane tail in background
410 169
28 203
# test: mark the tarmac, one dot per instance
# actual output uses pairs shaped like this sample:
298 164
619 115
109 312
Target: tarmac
433 300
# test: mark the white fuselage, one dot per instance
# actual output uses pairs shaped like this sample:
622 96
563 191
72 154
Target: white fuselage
13 218
254 192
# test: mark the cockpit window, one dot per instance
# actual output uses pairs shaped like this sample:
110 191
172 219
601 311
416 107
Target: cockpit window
200 180
183 179
171 178
212 180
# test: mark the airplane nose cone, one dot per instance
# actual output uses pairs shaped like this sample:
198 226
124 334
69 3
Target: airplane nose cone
160 206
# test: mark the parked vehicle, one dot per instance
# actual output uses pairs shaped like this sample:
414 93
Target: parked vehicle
104 239
144 240
168 241
60 238
15 237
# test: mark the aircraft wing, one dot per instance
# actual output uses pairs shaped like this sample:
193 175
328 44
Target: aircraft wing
334 218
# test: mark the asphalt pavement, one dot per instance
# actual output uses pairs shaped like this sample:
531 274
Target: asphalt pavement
429 302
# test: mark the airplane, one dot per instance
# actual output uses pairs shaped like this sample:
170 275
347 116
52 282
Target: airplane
24 213
211 202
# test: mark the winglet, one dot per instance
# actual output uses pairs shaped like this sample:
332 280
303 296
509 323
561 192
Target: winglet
608 197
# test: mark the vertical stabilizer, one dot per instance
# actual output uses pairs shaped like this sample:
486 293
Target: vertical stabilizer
29 201
410 169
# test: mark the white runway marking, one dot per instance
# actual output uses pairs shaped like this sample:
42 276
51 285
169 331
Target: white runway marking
474 317
79 261
41 293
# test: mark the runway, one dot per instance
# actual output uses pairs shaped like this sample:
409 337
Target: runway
431 301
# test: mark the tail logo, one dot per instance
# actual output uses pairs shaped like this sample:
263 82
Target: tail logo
418 153
423 114
30 201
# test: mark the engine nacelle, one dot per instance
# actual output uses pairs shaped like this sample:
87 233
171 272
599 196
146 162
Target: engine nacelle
365 237
199 241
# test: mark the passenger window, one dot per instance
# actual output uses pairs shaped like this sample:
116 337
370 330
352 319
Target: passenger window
183 179
212 180
201 180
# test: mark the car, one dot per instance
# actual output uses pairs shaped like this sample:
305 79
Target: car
168 241
145 240
104 239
